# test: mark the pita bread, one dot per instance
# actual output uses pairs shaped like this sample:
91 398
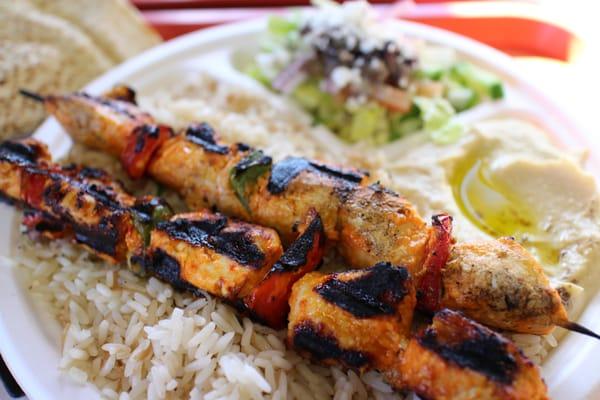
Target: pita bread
123 33
45 53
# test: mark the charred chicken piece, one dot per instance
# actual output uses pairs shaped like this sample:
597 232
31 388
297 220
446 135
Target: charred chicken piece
110 124
243 182
456 358
269 301
376 224
224 257
99 122
14 157
95 208
360 319
500 284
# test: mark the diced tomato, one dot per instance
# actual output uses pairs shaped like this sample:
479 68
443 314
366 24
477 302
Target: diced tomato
141 145
269 300
392 98
430 281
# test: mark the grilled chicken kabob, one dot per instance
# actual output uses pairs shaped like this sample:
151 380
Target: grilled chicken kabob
201 251
496 282
359 319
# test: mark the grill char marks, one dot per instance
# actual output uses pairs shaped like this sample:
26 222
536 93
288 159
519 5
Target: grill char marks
167 269
321 347
295 255
376 292
49 188
482 350
286 170
141 133
39 222
102 237
125 108
122 93
211 233
20 153
254 159
203 135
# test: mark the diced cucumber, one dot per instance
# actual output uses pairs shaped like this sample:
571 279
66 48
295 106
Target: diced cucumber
368 123
435 74
461 97
483 82
280 26
308 95
437 119
403 124
330 112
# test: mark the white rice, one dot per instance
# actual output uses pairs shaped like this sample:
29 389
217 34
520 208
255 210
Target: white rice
137 338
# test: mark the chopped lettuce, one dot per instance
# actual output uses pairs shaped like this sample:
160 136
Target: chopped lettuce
255 72
436 115
435 112
449 133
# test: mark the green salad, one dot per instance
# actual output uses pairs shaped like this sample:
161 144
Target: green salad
340 66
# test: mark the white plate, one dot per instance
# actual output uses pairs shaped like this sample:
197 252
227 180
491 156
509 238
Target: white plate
30 343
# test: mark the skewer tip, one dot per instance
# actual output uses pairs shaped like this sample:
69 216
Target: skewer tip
575 327
32 95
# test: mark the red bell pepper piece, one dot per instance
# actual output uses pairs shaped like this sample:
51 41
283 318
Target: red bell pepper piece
429 284
269 300
141 145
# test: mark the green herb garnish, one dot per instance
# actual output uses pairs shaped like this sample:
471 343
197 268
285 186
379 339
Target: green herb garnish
147 215
246 172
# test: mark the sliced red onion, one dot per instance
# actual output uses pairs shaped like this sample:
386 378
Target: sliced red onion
293 74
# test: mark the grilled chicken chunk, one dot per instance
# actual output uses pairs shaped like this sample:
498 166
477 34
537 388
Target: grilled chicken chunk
458 359
500 284
198 168
360 319
95 208
14 157
113 124
378 225
223 257
103 124
242 182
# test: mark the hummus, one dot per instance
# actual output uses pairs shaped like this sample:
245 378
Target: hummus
505 178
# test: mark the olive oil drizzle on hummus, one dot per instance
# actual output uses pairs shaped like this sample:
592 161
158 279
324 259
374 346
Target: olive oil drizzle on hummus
493 209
